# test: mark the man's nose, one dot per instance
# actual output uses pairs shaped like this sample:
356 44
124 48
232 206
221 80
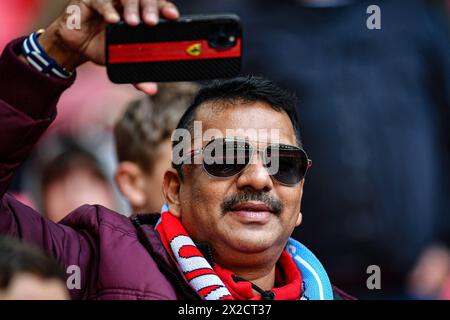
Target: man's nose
255 176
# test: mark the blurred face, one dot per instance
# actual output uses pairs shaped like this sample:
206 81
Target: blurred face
79 187
247 216
26 286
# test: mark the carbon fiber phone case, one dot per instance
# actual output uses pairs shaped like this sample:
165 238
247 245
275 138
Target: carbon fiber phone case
198 47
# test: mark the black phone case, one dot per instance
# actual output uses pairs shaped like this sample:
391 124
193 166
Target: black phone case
189 49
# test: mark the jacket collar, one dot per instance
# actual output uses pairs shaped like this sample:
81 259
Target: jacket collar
150 239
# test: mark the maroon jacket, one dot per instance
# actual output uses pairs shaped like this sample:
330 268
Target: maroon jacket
119 258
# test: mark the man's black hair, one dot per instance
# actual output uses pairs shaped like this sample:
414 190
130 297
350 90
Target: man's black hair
16 257
243 89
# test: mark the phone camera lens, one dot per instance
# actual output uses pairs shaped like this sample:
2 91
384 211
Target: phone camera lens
222 36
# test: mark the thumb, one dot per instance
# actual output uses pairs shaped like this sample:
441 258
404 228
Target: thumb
149 88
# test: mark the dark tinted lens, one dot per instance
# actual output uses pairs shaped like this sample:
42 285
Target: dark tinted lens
287 165
222 158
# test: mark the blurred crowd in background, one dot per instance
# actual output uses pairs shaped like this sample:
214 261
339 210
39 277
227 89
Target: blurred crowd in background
375 116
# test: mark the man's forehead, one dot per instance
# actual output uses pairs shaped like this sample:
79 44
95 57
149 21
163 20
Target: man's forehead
253 120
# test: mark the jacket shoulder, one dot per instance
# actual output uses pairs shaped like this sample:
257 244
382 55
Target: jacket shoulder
93 217
125 269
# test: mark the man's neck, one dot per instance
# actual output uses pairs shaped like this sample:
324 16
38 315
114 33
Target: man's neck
258 268
261 273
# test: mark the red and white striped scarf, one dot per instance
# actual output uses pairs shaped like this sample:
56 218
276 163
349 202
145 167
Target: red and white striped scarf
216 283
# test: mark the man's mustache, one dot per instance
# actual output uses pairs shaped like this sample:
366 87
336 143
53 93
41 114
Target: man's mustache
246 195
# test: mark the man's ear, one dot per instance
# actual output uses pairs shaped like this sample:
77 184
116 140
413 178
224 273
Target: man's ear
130 180
299 219
171 190
300 216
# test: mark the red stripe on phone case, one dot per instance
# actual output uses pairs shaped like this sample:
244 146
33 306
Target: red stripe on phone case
169 51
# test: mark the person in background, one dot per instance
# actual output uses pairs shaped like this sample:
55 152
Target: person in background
26 273
72 178
143 144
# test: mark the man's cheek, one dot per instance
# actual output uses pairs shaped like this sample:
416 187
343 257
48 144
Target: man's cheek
291 210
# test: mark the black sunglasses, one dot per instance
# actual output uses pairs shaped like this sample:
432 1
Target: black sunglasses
226 157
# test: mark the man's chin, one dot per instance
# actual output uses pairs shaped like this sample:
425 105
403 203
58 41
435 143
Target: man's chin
251 245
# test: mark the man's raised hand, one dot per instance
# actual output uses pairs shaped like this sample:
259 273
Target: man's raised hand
72 47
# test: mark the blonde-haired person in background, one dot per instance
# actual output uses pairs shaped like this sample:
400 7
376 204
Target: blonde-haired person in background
143 144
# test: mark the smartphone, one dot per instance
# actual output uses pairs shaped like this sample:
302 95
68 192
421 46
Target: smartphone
192 48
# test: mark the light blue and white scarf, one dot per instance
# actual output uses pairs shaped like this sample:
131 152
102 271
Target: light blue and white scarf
317 285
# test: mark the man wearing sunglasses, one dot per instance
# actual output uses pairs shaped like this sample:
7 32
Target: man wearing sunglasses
233 199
